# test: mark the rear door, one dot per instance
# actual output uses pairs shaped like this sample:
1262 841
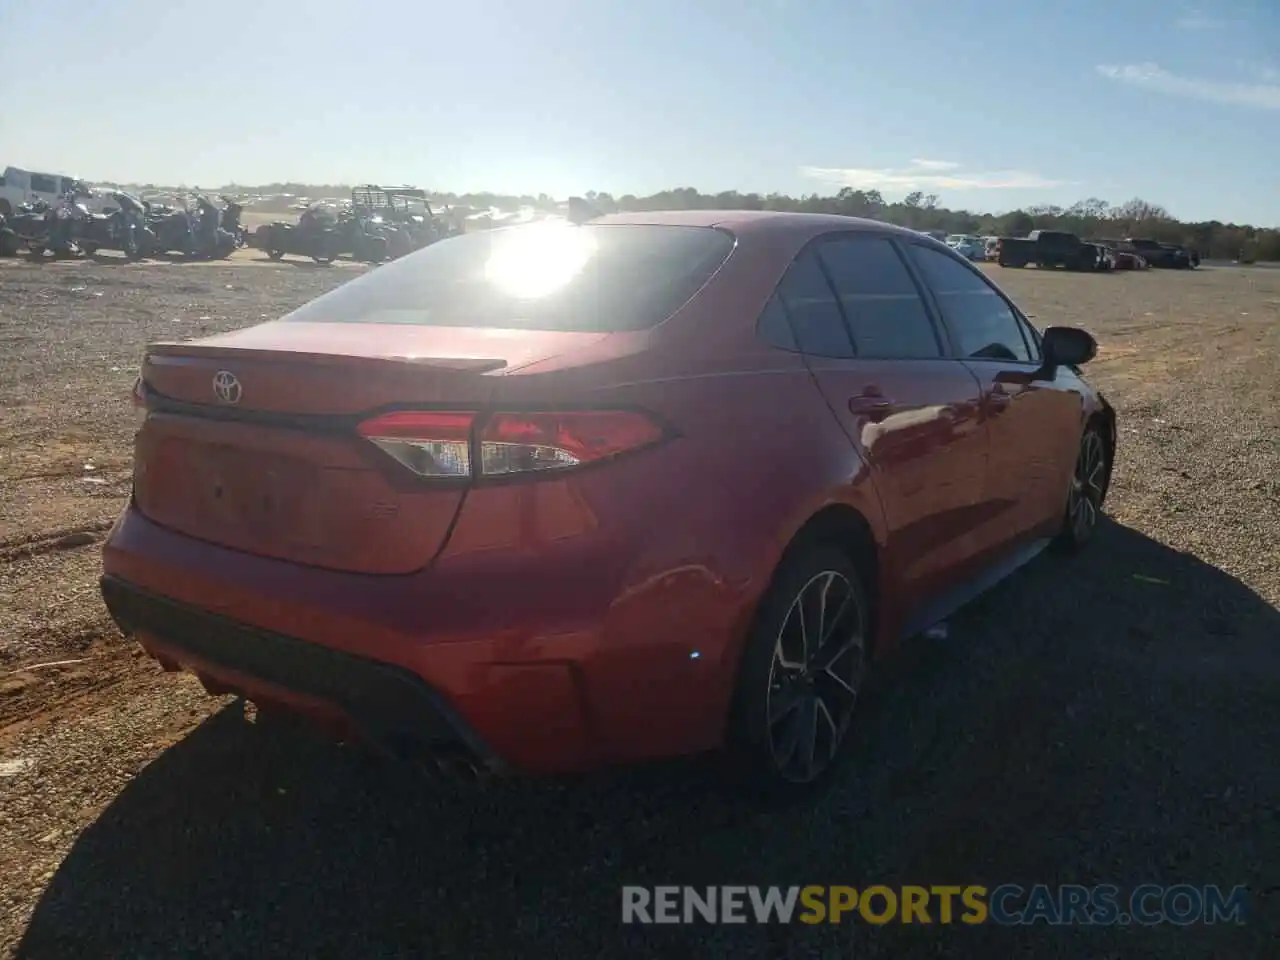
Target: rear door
1034 423
879 360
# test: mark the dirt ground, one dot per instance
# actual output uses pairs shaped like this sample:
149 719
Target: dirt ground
1109 719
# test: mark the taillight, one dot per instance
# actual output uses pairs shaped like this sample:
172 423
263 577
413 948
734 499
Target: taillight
431 443
526 442
439 443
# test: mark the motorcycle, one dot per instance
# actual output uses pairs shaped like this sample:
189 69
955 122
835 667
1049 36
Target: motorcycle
124 229
231 222
171 225
28 220
63 227
210 240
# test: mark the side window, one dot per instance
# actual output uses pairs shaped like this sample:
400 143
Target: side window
774 328
42 184
888 319
982 323
811 305
1033 337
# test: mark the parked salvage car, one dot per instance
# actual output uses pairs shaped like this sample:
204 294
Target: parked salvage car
1047 248
1166 255
971 248
1127 259
547 497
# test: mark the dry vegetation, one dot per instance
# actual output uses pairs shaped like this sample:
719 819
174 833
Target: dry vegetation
1115 719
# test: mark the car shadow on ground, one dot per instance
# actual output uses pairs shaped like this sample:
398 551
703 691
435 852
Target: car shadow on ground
1104 719
310 264
118 259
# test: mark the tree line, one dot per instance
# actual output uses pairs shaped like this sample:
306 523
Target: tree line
1092 218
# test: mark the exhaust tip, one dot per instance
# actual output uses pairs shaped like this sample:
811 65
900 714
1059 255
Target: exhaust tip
436 761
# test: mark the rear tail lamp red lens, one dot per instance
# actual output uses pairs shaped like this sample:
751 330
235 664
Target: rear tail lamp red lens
431 443
440 443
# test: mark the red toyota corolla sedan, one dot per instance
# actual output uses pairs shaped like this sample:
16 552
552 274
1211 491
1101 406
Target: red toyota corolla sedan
561 495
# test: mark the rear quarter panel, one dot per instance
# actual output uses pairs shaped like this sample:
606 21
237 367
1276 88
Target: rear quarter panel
671 547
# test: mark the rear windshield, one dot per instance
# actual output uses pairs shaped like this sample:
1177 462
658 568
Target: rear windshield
543 276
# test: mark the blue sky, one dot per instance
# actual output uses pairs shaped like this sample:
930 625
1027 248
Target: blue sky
990 105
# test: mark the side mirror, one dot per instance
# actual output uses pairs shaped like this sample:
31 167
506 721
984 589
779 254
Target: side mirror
1068 347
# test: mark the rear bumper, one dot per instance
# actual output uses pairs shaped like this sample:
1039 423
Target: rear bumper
534 664
387 706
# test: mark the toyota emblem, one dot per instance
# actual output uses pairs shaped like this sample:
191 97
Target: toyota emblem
226 387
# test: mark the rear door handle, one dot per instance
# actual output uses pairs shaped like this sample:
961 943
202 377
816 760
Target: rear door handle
871 405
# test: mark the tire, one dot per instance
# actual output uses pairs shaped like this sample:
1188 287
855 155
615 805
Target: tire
324 250
9 244
812 705
373 250
1087 493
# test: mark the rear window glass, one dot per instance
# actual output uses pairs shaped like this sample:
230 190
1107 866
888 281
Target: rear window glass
545 276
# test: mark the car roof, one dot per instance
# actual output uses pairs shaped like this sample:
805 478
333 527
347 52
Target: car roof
758 222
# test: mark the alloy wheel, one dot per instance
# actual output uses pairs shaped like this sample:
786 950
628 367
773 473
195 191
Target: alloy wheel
815 676
1085 504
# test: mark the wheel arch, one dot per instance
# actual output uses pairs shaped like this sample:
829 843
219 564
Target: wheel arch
836 526
1103 419
842 526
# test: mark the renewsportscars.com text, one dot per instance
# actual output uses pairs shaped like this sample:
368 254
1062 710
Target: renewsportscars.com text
1005 905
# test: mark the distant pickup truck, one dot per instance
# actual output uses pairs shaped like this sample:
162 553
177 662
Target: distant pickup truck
1050 248
1159 254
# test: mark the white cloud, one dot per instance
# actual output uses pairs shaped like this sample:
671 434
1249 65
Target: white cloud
934 164
1150 76
1198 21
926 175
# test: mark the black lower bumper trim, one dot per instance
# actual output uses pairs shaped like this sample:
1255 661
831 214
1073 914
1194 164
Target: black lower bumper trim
394 707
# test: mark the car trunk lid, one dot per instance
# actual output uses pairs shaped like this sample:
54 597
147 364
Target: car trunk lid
252 438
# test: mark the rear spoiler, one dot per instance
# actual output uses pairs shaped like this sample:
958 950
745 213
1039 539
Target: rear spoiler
580 211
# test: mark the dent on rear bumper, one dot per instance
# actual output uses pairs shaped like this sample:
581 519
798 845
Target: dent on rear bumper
547 687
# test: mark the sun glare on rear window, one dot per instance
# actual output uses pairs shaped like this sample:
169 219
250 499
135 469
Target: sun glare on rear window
539 260
544 276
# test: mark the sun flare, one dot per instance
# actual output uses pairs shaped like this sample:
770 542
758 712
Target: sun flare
536 261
